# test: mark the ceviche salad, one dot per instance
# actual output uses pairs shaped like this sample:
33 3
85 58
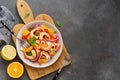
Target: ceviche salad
44 43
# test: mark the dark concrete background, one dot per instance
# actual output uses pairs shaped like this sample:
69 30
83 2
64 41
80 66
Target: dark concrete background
90 32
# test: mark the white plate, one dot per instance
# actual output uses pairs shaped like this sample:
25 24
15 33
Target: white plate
37 65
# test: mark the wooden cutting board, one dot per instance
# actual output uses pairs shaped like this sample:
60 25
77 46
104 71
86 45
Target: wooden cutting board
35 73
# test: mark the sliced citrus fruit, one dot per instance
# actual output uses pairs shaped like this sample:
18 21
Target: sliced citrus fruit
15 70
8 52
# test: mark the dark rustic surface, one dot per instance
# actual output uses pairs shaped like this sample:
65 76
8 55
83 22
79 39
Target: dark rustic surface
91 34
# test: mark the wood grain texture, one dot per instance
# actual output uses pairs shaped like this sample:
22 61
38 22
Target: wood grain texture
16 29
45 18
24 10
35 73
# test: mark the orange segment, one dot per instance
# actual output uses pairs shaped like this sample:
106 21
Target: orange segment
15 70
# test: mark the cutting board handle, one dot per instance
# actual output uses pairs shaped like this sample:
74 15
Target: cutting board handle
24 11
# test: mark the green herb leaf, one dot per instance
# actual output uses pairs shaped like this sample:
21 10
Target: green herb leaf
32 41
29 53
58 23
37 33
30 29
26 15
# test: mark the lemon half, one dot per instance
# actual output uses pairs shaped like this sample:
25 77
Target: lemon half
8 52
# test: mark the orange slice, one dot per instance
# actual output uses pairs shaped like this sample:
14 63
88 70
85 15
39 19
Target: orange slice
15 70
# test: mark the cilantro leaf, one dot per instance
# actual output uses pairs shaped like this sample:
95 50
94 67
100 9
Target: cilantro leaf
58 23
29 53
32 41
26 15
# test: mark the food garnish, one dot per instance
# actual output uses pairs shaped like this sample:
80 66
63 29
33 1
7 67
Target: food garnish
44 43
58 23
26 15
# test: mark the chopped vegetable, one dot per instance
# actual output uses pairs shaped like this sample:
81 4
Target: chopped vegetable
52 52
44 27
36 25
23 50
43 60
29 49
46 30
25 32
51 31
37 33
32 41
30 29
25 37
29 53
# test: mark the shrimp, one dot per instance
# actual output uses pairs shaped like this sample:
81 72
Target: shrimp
34 30
45 45
32 56
44 35
47 56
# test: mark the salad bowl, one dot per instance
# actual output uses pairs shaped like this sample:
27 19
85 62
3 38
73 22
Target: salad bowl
35 63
